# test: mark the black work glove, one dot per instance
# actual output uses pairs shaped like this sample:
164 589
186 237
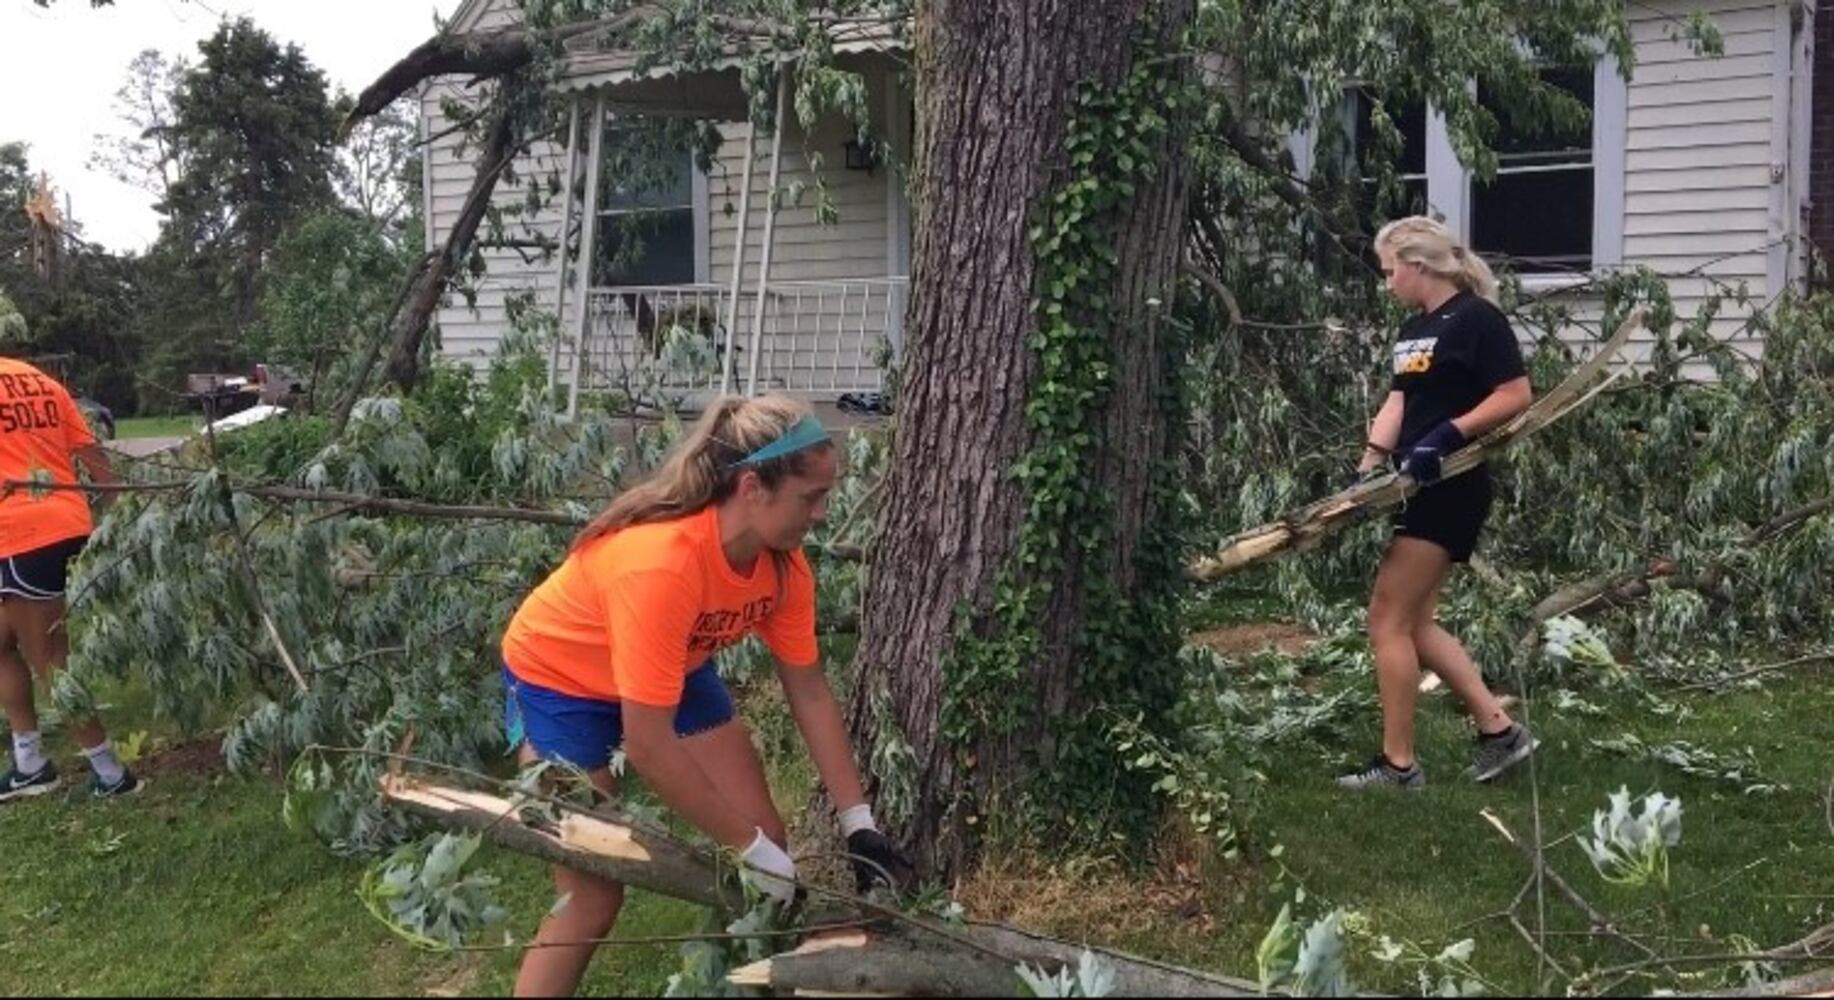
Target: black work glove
874 858
1427 454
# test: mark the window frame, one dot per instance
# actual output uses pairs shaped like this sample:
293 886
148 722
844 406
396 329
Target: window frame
699 205
1449 183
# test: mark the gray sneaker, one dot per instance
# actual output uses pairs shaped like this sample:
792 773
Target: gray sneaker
1492 757
1381 774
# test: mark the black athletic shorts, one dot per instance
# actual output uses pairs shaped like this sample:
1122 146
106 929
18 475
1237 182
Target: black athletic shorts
41 574
1450 513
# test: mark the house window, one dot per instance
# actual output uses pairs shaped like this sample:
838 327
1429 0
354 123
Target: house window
1537 212
1555 206
646 228
1358 108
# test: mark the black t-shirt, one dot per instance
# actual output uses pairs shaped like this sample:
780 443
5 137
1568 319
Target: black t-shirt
1449 360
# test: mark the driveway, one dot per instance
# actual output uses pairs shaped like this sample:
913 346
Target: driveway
143 447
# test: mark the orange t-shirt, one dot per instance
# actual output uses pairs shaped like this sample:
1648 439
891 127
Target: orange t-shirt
629 614
40 429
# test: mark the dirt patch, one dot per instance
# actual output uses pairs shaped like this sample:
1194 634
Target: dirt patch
1246 640
200 756
1173 909
454 982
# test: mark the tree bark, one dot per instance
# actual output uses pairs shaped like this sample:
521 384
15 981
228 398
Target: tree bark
995 83
875 963
420 295
481 55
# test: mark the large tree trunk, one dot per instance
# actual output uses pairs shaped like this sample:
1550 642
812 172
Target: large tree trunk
996 81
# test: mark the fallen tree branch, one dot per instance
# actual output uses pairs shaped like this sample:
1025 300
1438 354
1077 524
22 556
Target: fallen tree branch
351 502
1810 984
1601 922
1308 526
481 55
1233 307
611 848
861 963
409 326
1619 589
1821 657
910 959
251 579
1816 946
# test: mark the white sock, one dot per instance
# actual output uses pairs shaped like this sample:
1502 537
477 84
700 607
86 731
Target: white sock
105 764
29 753
856 819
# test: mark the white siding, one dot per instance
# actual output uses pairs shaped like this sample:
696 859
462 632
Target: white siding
1697 202
854 246
1702 136
804 334
485 15
471 332
860 243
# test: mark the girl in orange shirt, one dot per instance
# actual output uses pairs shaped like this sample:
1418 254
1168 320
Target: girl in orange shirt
43 436
615 650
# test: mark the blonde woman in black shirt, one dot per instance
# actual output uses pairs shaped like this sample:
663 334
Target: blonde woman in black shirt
1458 373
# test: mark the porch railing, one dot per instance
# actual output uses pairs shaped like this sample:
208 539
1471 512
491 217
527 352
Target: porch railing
818 337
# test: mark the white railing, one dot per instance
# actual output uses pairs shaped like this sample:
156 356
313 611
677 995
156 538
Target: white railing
817 338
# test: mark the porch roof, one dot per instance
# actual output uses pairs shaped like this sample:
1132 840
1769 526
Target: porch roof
711 91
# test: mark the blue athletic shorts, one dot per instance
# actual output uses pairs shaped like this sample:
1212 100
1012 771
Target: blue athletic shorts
584 731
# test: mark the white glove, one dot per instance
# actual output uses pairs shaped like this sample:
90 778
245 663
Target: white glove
768 869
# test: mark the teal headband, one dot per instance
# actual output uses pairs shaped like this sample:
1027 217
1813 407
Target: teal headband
807 433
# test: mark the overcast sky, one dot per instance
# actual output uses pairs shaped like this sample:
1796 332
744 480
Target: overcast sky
60 68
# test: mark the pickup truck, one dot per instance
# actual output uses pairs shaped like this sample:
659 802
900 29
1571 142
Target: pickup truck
217 395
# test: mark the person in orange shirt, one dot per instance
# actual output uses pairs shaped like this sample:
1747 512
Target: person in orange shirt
615 649
42 437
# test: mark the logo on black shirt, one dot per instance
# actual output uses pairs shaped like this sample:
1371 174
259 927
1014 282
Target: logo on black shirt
1415 357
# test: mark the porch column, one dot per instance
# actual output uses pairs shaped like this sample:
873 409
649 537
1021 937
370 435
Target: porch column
770 231
588 239
566 223
738 260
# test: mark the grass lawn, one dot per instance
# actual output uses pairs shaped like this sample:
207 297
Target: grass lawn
155 427
1426 867
197 887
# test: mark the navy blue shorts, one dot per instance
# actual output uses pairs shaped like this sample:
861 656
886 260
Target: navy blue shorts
584 731
41 574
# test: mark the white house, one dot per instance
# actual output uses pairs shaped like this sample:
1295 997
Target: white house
1698 167
833 294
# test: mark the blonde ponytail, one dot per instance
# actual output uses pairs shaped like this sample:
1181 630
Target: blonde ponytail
1427 242
705 468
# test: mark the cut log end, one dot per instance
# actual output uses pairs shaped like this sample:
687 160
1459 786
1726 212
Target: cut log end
601 837
442 799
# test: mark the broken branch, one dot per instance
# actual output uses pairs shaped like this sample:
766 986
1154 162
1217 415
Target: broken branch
1304 528
912 958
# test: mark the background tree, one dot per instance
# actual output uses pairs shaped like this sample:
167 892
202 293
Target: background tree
145 153
90 319
254 133
378 173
